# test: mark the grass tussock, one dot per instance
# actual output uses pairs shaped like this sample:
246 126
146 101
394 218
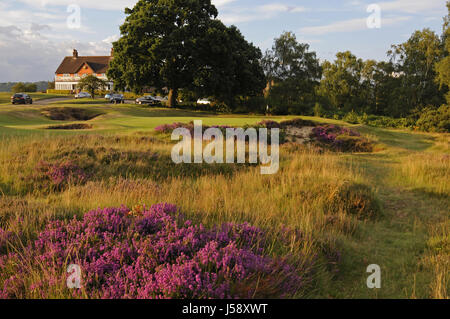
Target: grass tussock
426 172
438 260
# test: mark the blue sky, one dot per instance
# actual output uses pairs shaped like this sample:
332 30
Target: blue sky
35 36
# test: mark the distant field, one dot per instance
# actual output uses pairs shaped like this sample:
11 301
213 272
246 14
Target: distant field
306 208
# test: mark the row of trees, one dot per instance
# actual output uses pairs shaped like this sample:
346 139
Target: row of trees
416 76
181 45
24 87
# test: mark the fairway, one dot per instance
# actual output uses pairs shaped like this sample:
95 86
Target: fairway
26 119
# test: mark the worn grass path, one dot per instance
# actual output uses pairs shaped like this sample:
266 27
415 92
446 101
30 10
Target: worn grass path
397 242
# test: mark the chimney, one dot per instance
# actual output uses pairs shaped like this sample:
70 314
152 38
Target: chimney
75 53
112 52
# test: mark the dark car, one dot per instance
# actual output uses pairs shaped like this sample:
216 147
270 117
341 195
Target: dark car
21 98
117 99
149 100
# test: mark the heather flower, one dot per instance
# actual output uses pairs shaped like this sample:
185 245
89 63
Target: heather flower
330 135
153 253
269 124
58 175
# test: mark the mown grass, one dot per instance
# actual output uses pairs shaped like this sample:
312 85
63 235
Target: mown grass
389 207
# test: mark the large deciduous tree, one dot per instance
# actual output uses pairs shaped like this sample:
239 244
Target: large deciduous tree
415 60
341 86
443 66
292 72
91 84
179 44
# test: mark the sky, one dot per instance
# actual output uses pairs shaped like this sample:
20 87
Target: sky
35 35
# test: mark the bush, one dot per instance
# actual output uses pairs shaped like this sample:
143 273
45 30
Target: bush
387 122
58 176
149 253
24 87
64 92
346 143
341 139
351 118
435 120
355 199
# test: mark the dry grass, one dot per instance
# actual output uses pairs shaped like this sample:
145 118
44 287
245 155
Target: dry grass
438 259
315 194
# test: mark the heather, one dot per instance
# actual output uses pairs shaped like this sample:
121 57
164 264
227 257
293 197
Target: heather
341 139
150 253
326 215
169 128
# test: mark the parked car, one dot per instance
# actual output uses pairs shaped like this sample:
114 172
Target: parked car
83 95
162 99
108 96
117 99
21 98
149 100
203 101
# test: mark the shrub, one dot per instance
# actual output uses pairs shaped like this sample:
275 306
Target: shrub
168 128
346 143
58 176
435 120
354 199
351 118
149 253
297 123
62 92
269 124
341 139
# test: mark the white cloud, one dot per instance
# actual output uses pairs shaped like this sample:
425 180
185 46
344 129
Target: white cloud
99 4
28 55
221 3
111 39
412 6
348 26
263 12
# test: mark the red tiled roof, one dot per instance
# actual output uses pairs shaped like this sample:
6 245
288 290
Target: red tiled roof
71 65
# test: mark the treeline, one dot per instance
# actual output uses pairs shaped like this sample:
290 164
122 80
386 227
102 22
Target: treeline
24 86
185 48
410 89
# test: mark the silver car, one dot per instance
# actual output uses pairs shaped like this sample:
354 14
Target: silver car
83 95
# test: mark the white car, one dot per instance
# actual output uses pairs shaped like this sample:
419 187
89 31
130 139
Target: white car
82 95
162 99
203 101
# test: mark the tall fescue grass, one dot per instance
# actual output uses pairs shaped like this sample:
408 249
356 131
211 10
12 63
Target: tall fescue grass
438 259
429 172
140 171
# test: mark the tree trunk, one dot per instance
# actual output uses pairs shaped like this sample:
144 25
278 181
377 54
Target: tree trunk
173 95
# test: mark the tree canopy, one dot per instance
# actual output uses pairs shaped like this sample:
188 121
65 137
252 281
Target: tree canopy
180 44
292 72
91 84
